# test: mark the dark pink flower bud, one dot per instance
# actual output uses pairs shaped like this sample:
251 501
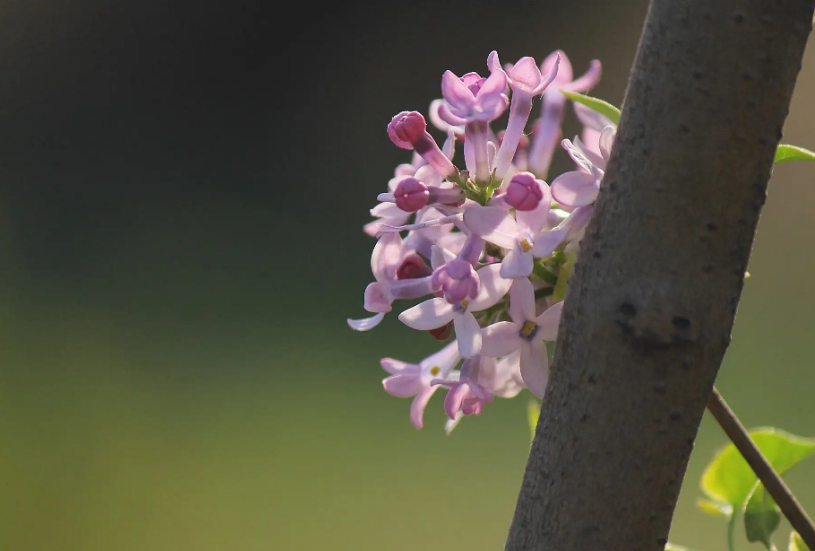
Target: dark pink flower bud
524 192
411 195
413 267
407 128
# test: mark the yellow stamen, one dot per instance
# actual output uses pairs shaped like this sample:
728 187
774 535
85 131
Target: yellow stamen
464 305
435 370
525 245
528 328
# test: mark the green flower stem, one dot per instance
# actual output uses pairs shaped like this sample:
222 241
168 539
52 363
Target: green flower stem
772 482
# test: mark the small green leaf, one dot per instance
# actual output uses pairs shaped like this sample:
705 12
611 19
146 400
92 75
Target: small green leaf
601 106
786 152
796 543
714 508
533 411
761 518
563 277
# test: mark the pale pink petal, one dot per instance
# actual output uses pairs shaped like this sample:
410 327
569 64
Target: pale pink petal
450 424
446 359
494 86
574 189
535 219
493 63
456 93
517 263
386 257
366 324
525 76
418 406
376 298
389 210
508 381
493 288
564 69
493 224
606 141
549 321
402 386
452 402
522 301
433 114
587 81
430 314
535 366
396 367
500 339
547 241
439 257
468 334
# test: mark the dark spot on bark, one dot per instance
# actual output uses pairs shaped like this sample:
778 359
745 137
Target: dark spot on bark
628 309
681 323
686 365
584 417
676 416
738 18
652 518
697 74
597 254
684 128
592 379
660 389
707 268
711 226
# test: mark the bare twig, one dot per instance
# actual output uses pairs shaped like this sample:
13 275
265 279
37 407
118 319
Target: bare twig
764 471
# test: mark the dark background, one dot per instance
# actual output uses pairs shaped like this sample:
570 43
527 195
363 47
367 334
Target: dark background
182 190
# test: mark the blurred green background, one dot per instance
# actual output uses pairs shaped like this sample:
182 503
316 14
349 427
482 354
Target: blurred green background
182 190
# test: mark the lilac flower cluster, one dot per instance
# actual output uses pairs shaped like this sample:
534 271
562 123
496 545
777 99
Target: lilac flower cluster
492 245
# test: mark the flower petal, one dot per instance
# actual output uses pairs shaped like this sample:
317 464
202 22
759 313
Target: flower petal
516 264
493 288
535 219
366 324
386 257
430 314
452 402
493 224
547 241
525 76
418 406
446 359
396 367
456 94
535 367
549 321
468 334
574 189
500 339
522 301
402 386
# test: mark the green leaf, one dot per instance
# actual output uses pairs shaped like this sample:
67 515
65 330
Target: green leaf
714 508
533 411
673 547
796 543
761 518
728 479
786 152
602 107
564 275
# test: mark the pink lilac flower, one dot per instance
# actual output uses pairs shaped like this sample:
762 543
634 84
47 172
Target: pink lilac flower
437 312
408 130
526 332
579 188
415 379
471 390
524 236
388 255
526 82
545 139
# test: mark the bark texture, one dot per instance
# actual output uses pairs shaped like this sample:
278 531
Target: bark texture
651 305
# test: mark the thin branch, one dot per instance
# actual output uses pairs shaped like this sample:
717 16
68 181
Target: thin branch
764 471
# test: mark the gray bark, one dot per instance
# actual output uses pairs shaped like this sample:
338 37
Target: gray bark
651 304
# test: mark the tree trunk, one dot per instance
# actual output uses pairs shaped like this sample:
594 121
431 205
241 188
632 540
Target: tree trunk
651 304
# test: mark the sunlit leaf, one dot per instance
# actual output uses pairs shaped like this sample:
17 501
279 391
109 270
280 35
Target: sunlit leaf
601 106
533 411
761 518
796 543
786 152
714 508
